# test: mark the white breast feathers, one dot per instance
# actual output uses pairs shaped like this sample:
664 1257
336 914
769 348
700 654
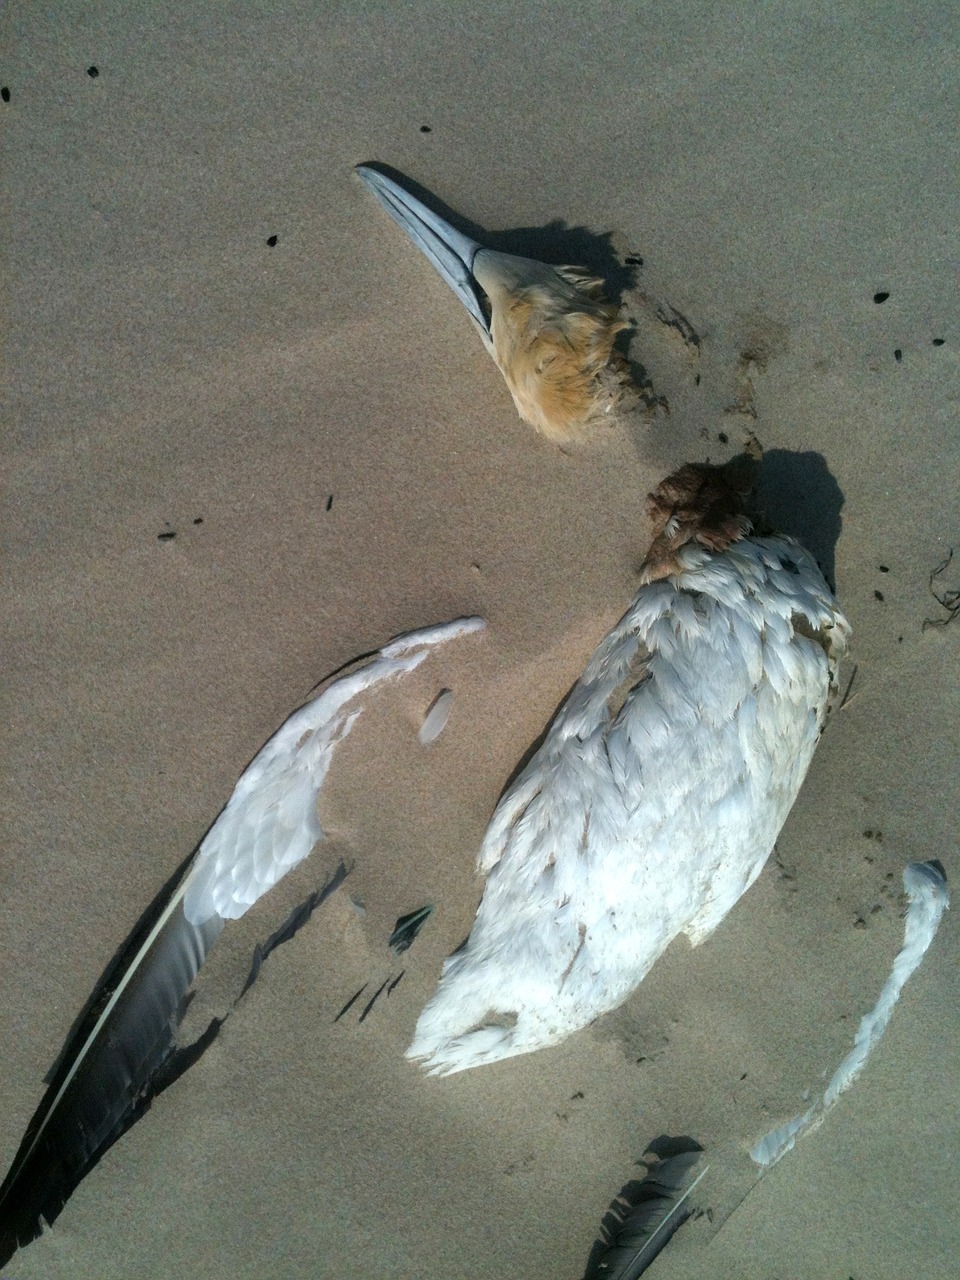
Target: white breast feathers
652 804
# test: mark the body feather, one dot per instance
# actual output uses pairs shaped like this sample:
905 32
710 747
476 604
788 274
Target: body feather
654 800
646 1215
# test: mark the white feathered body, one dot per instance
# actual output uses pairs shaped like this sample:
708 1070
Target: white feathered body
652 804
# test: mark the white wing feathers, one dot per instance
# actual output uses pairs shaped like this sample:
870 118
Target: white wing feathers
270 822
926 888
109 1066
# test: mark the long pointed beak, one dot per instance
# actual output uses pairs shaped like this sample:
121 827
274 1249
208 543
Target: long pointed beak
451 252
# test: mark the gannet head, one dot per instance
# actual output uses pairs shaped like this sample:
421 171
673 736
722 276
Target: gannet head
551 330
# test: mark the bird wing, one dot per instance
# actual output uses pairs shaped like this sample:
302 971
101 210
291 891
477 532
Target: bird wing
102 1083
270 822
925 884
107 1069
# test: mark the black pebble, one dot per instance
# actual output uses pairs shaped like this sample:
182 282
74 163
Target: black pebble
198 519
167 535
272 240
5 94
898 355
93 72
330 502
425 128
937 342
882 296
723 437
878 595
634 260
883 568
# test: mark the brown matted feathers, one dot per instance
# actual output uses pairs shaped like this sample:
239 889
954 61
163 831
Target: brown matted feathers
698 503
553 332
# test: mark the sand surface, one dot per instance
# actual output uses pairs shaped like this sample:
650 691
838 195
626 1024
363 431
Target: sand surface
169 372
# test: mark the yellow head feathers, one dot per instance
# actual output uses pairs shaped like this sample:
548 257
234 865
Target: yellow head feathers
552 336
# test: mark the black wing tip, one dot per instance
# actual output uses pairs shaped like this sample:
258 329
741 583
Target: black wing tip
107 1074
646 1213
99 1090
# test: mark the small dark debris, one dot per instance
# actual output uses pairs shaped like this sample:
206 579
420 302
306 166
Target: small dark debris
374 998
198 519
883 568
859 923
868 834
784 873
882 296
330 502
272 241
878 595
634 260
425 128
898 355
948 599
937 342
93 72
846 693
166 535
5 94
352 1001
696 381
744 1076
899 639
396 981
407 928
575 1096
723 437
